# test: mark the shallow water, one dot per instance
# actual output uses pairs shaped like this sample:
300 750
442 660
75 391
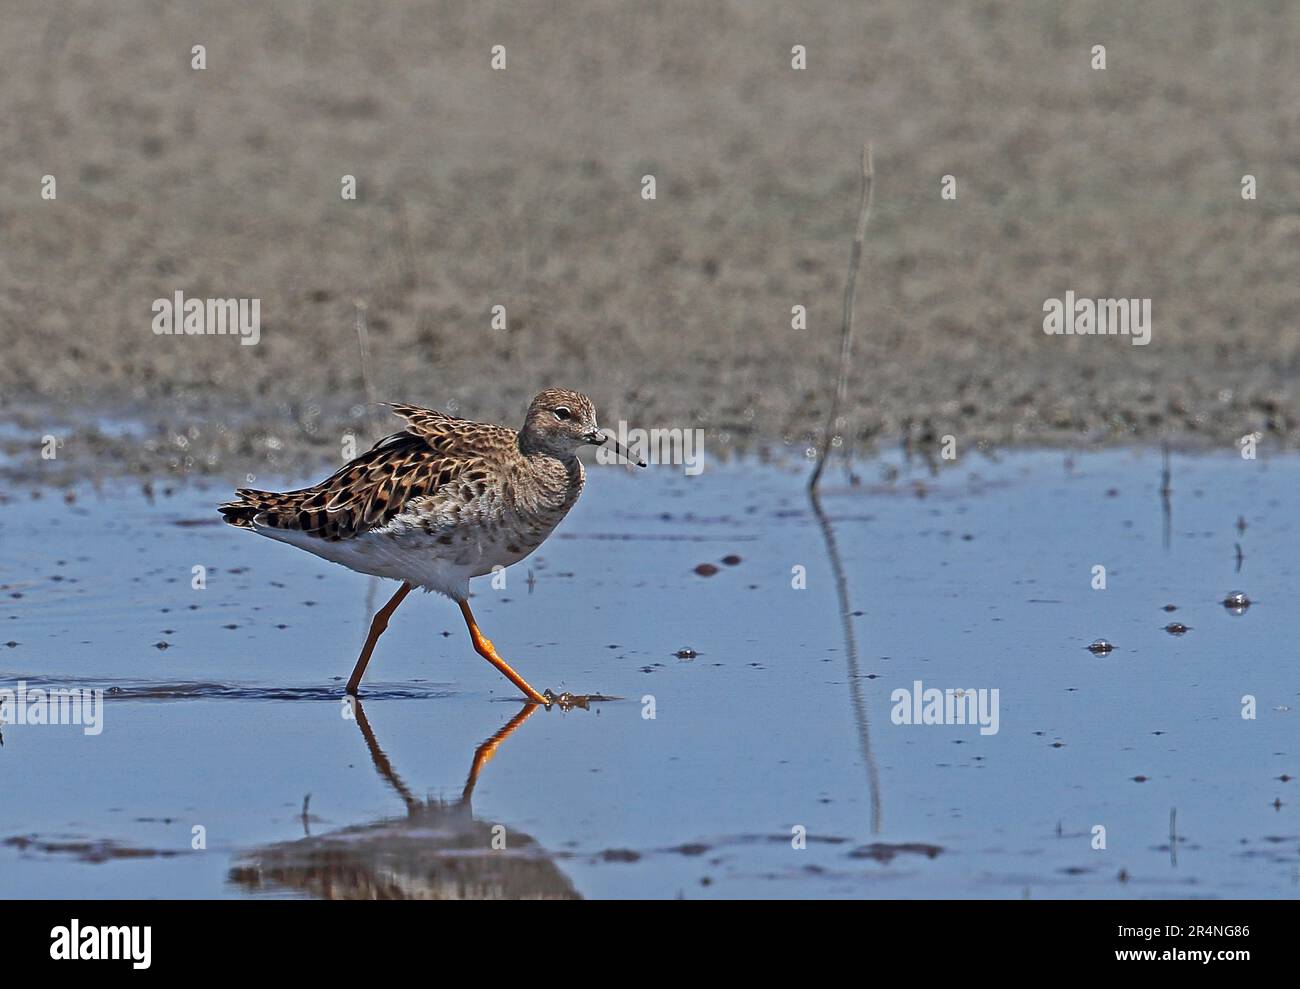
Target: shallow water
780 726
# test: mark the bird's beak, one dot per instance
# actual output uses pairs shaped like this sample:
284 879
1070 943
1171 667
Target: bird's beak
600 439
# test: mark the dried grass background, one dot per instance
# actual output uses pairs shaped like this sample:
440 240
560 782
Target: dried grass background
521 188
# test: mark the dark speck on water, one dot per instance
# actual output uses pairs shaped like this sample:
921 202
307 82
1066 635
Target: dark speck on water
706 569
691 848
1100 648
1236 602
620 855
1176 628
885 852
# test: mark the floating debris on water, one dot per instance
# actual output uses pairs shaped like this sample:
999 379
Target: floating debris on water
731 560
620 855
706 570
882 851
685 654
1100 648
92 850
1176 628
1236 602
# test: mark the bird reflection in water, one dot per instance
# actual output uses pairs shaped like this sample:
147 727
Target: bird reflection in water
438 851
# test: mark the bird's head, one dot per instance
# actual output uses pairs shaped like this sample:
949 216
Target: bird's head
559 421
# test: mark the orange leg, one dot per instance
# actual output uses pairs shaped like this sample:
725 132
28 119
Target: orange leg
483 646
376 630
484 753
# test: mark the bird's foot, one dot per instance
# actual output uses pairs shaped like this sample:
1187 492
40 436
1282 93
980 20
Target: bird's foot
566 701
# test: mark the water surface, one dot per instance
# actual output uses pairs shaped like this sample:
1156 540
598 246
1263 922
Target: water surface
766 764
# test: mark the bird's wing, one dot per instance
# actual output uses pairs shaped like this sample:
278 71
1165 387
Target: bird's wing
450 435
434 452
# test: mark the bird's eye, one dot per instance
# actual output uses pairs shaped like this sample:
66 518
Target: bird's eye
562 414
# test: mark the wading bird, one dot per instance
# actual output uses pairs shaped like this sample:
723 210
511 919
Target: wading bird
440 502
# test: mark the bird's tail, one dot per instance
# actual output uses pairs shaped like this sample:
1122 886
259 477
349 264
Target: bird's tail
252 506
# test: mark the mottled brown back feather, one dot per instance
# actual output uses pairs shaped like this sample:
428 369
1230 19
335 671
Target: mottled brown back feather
435 450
